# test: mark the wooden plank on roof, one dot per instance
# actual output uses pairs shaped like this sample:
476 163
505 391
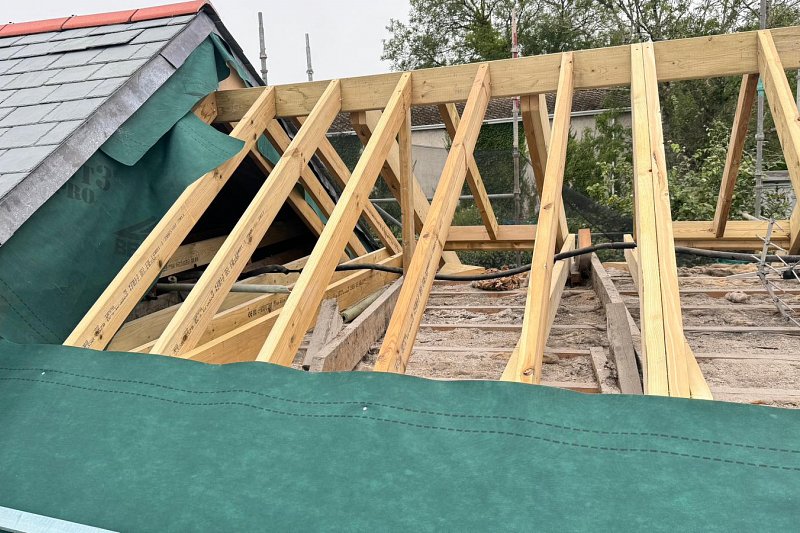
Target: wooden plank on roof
402 330
348 348
560 271
406 178
682 59
536 126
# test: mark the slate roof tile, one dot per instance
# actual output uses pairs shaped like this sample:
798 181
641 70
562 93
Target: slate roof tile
73 74
10 180
60 132
107 86
28 97
6 65
26 115
8 41
73 59
34 78
23 136
74 109
71 91
33 63
22 159
157 34
119 68
117 53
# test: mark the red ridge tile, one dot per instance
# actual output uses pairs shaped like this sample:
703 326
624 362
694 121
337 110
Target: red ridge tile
99 19
37 26
169 10
102 19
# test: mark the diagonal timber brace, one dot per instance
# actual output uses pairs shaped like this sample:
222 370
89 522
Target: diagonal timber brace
537 320
189 323
295 318
106 316
787 120
451 120
405 321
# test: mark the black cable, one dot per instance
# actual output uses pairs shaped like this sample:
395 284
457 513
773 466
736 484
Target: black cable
280 269
752 258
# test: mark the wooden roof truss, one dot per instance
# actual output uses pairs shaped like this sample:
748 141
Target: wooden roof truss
215 325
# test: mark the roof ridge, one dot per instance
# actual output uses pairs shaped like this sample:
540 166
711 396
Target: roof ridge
102 19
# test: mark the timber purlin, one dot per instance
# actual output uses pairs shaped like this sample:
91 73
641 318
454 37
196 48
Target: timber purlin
213 326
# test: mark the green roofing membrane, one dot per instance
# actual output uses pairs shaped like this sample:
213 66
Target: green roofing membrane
136 442
59 262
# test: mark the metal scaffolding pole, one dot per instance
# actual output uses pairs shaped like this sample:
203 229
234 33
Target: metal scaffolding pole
263 48
309 70
762 23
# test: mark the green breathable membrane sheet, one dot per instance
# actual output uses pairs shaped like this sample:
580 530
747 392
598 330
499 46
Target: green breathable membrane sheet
58 263
135 442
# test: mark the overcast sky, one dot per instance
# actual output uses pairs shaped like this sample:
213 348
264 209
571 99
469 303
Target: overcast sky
345 35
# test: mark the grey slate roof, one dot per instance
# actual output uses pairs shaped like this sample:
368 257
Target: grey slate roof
50 83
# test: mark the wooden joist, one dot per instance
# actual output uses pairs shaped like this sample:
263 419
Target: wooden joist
698 388
295 316
785 114
451 120
402 329
535 325
189 323
105 317
680 59
741 119
739 235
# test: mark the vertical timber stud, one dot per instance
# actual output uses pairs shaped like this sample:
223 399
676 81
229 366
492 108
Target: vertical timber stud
787 120
535 323
662 324
402 329
449 115
190 322
298 312
536 125
106 316
744 107
406 176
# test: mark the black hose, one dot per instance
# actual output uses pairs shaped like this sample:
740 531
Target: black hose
752 258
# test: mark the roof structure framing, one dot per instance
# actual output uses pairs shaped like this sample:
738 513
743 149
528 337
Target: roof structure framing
215 326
